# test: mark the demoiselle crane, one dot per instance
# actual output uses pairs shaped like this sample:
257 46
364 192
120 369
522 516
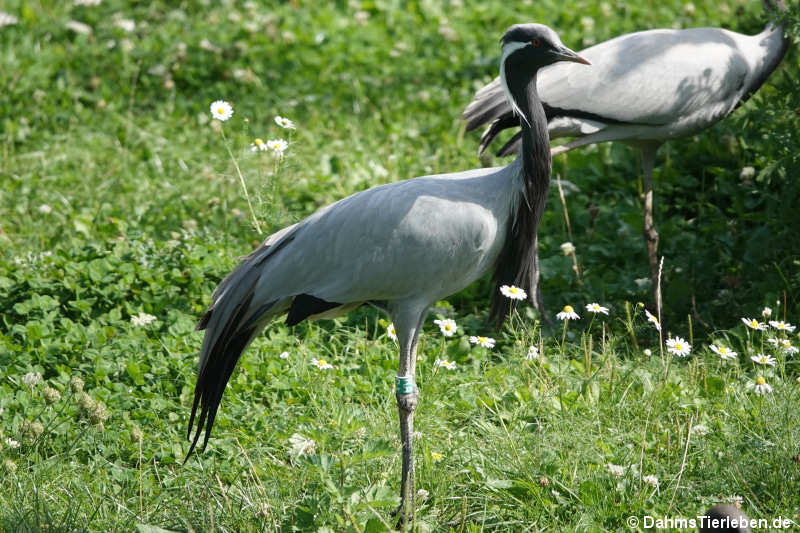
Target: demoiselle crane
646 88
401 247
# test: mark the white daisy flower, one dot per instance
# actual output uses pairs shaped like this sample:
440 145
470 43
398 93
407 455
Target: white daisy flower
11 443
322 364
773 341
221 110
567 248
780 325
723 352
515 293
142 319
763 359
567 313
678 346
45 209
126 25
653 320
533 353
766 312
301 445
651 480
31 378
391 331
596 308
449 365
87 2
7 19
278 146
284 123
447 325
615 470
258 145
648 352
752 323
486 342
759 386
284 355
786 344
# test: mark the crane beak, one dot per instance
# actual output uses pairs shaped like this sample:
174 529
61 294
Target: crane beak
565 54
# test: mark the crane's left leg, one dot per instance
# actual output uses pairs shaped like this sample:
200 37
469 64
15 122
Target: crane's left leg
650 234
407 326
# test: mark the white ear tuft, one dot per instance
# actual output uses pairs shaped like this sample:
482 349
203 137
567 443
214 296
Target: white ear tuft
508 49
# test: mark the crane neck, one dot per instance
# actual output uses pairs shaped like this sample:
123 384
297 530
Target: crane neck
535 145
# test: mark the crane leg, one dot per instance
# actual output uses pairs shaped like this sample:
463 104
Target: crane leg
407 396
650 233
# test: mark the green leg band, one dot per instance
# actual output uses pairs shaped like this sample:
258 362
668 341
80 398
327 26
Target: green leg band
404 385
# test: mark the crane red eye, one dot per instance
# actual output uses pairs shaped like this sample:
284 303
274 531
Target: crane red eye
535 43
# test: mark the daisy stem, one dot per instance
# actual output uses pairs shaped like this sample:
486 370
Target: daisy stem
241 180
564 336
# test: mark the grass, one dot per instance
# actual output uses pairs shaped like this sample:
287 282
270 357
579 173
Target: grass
111 131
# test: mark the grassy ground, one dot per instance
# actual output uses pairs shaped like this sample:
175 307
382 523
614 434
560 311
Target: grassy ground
119 198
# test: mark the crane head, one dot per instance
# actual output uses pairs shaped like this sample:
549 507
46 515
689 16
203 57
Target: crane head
526 49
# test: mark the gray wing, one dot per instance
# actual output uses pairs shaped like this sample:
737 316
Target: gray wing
656 78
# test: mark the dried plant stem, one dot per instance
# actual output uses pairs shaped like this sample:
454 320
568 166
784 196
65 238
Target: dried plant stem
242 182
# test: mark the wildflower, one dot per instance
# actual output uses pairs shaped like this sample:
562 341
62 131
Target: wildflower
85 401
278 146
391 331
596 308
653 320
11 443
221 110
301 445
766 312
486 342
568 313
773 341
437 457
759 386
615 470
449 365
513 292
700 430
651 480
284 123
9 465
567 248
87 2
736 500
747 173
136 434
76 384
447 325
648 352
142 319
678 346
752 323
31 378
31 430
45 209
780 325
533 353
723 352
126 25
7 19
258 145
763 359
284 355
642 282
786 344
322 364
51 395
422 494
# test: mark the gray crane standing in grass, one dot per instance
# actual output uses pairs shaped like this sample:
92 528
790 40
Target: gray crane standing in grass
401 247
647 88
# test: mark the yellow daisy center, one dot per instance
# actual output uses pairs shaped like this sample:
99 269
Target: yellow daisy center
258 142
754 323
568 309
220 110
321 362
723 349
761 381
678 346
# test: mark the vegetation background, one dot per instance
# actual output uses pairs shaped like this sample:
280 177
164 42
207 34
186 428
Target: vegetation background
119 197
